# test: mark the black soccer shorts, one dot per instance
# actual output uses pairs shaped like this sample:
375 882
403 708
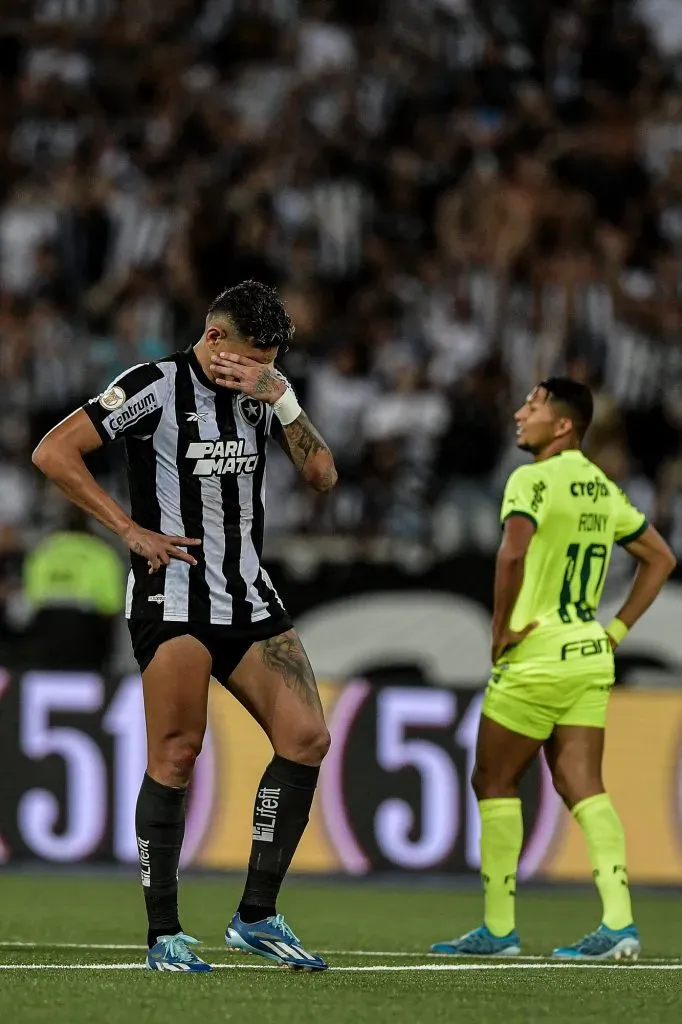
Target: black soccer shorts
226 645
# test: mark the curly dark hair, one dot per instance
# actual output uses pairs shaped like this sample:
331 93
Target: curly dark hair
256 311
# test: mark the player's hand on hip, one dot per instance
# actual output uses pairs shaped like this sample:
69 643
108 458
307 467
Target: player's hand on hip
507 638
239 373
157 548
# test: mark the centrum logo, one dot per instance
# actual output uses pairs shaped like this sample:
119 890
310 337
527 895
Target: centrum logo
216 458
133 411
594 489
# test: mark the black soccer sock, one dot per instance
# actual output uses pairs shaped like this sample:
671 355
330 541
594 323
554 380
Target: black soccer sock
160 829
280 815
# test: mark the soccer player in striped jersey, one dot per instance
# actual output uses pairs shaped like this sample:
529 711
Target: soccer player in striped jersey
553 667
199 603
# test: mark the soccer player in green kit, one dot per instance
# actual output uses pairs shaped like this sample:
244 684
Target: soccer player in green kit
553 664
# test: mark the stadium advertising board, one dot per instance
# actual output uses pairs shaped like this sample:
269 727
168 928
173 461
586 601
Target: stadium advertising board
394 793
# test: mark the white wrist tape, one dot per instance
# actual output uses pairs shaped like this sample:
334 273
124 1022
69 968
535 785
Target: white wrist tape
286 408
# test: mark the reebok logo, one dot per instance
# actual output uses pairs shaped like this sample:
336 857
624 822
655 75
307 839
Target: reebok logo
145 866
218 457
265 814
156 598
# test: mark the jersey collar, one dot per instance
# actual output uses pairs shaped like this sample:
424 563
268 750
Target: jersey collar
567 451
198 370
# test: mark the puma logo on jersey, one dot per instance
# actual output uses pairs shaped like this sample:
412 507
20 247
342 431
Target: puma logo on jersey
216 458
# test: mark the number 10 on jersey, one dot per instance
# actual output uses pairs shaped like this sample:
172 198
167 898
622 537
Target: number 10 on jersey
581 595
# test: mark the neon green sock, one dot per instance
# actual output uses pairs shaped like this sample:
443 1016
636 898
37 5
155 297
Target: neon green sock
603 831
501 841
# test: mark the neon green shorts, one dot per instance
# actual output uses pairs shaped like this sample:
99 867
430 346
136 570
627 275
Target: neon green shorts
564 680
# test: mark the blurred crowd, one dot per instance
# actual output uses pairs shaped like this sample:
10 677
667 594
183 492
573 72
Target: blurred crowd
454 197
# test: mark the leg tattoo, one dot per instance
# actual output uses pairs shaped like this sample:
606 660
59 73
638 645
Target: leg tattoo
284 654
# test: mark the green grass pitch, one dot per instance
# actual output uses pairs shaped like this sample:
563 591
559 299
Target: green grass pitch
377 940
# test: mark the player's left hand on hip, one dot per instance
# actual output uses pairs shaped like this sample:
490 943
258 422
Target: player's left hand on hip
239 373
508 639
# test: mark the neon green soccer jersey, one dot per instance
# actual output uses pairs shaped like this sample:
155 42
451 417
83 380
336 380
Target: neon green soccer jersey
579 514
561 672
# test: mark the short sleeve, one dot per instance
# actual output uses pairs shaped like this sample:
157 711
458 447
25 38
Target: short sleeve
132 404
525 495
630 522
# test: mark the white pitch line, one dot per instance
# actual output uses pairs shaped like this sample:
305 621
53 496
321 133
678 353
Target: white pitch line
379 968
72 967
72 945
449 956
399 955
374 969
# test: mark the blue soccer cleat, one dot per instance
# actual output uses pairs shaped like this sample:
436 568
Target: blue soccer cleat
604 944
173 953
272 938
481 942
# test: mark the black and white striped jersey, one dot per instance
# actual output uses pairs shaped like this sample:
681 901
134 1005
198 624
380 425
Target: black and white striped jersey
196 468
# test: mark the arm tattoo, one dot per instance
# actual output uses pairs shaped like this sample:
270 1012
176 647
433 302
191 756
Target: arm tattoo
284 655
302 441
